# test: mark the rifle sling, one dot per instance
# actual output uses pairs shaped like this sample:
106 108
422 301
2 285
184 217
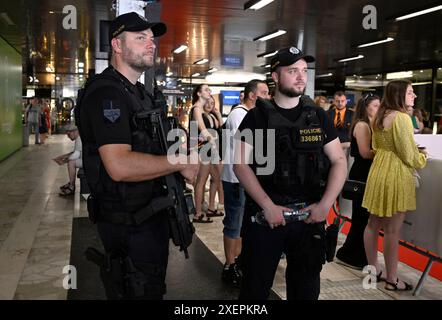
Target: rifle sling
136 218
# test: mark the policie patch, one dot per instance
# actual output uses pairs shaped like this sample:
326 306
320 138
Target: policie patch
310 135
111 112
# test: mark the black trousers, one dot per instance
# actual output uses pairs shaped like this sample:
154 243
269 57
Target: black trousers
304 246
147 245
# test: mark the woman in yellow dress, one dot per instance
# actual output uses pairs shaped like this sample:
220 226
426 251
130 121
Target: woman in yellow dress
390 189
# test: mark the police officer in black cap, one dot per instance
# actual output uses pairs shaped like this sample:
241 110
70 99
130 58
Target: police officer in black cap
309 171
121 165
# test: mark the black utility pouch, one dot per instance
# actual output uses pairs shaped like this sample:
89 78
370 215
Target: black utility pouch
92 209
316 246
331 238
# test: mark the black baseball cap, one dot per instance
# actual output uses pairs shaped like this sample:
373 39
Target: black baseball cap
132 21
288 56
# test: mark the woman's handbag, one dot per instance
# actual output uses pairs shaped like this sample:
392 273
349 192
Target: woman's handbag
353 190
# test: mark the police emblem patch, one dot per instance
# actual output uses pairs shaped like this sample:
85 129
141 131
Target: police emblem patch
294 50
111 112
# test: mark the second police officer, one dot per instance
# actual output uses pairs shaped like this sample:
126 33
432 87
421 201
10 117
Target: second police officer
310 170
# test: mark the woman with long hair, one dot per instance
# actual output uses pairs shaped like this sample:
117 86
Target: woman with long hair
216 168
391 191
352 252
201 113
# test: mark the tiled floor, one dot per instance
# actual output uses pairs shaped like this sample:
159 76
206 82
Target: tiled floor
35 235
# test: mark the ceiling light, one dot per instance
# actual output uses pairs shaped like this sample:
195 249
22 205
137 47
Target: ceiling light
212 70
418 13
81 64
256 4
231 76
201 61
351 58
267 54
180 49
399 75
48 69
51 12
196 74
270 35
80 70
324 75
170 73
388 39
421 83
265 66
57 78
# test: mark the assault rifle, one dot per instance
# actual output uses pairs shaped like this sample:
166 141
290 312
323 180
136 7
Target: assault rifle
182 230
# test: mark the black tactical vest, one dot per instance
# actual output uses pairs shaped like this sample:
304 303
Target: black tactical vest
118 196
301 167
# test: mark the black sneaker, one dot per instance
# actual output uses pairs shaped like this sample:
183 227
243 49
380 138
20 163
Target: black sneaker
238 262
232 275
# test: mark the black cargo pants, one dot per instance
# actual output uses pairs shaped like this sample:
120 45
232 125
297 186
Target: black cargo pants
147 245
304 247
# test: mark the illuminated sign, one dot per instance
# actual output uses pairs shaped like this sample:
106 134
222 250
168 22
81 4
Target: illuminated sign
232 60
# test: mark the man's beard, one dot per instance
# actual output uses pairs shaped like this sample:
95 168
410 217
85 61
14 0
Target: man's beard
137 61
289 92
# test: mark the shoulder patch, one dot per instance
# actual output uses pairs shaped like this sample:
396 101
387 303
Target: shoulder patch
111 112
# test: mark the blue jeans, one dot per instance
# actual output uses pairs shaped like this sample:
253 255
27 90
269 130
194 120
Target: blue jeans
34 126
234 200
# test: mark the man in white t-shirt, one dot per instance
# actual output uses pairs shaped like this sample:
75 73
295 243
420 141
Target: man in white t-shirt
72 159
234 197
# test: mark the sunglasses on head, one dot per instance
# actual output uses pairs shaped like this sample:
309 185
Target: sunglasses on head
368 95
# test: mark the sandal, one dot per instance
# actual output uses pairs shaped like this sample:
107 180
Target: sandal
68 191
394 286
379 277
67 185
214 213
201 219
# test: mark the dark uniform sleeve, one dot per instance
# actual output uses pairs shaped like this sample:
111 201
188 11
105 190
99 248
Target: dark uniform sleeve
327 125
108 111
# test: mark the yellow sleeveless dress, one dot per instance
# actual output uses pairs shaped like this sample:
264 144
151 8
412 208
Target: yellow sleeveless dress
390 185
